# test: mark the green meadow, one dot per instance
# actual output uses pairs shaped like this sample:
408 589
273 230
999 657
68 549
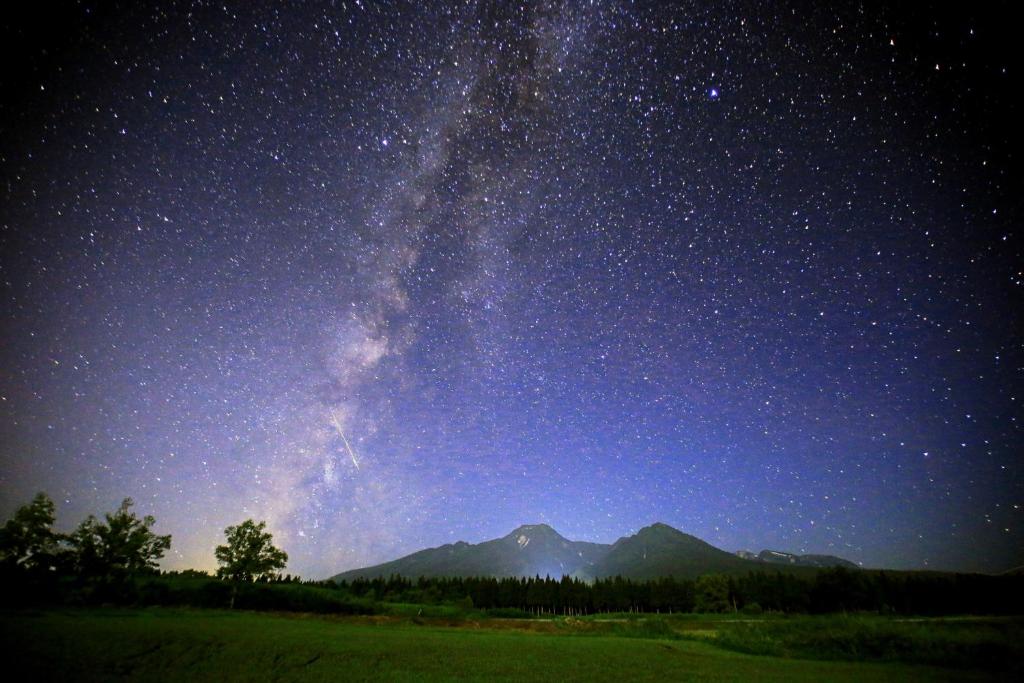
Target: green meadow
168 644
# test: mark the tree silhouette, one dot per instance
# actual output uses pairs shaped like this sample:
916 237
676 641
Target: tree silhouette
712 593
124 545
249 555
28 541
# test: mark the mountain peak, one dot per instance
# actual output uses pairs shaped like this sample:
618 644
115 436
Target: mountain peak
660 529
534 530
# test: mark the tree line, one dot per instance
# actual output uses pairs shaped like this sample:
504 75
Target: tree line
835 589
103 556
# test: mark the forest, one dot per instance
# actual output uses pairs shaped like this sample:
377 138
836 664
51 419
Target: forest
831 590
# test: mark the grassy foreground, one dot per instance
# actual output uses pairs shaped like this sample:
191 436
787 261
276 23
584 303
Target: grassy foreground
207 645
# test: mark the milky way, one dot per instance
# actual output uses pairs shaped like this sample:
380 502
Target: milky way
392 275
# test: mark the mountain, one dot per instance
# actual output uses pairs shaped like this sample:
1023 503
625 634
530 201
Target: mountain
530 550
778 557
660 550
537 549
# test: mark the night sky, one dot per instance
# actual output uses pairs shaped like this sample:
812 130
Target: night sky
394 275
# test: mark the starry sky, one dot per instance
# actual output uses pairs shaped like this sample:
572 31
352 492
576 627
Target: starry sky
391 275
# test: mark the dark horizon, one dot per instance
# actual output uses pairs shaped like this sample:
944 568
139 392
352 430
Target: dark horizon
389 276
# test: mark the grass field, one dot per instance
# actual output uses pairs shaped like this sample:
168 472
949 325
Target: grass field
206 645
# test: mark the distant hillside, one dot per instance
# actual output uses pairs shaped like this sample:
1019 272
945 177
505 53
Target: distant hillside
537 549
778 557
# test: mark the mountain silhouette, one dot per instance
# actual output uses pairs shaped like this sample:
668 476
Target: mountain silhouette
538 550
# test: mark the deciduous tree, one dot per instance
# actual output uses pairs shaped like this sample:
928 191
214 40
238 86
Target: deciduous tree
28 541
249 554
122 546
711 593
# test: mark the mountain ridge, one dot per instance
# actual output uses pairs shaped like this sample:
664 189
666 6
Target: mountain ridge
653 551
784 558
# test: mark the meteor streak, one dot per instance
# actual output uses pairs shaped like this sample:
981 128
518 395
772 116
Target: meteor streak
351 453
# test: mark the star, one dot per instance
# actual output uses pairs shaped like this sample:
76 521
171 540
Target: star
385 277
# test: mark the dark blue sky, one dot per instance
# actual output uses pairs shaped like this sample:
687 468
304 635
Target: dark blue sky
390 275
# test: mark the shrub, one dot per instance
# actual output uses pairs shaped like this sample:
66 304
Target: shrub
752 609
